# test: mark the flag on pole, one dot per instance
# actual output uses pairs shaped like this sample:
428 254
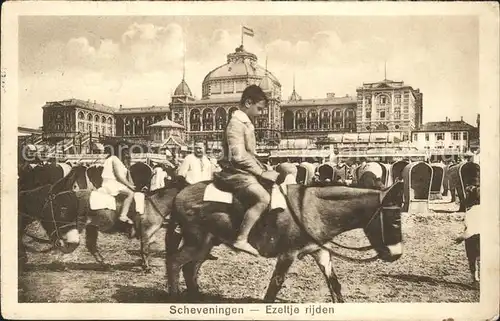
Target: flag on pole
248 31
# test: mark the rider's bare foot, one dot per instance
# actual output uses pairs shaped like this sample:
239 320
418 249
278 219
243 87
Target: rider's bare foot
125 219
245 247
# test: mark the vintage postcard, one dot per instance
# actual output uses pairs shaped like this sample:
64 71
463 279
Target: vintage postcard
250 160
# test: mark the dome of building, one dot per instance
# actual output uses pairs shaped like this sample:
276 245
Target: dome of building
183 89
240 71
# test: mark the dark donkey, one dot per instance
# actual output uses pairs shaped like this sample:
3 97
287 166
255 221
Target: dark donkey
157 206
315 215
33 205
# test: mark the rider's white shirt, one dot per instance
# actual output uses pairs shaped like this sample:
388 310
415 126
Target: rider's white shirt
195 169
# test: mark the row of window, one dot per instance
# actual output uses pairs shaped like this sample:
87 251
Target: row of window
105 130
382 115
96 118
384 100
440 136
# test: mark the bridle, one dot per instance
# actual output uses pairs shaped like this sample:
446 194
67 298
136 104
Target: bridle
50 199
378 213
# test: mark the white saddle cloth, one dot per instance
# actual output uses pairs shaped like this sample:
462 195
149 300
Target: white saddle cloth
101 200
213 194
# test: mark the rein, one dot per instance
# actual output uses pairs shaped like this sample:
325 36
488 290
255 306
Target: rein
331 251
50 199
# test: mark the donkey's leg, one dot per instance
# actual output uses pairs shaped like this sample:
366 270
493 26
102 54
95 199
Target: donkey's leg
146 236
325 263
176 259
191 269
472 252
91 235
282 266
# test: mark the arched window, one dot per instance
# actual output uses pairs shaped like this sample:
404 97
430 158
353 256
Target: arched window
300 119
383 99
81 115
129 125
220 118
288 120
337 119
138 126
103 120
312 120
195 120
110 121
208 119
324 119
89 117
96 118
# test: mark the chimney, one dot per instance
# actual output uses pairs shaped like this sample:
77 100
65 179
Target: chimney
461 118
121 106
330 95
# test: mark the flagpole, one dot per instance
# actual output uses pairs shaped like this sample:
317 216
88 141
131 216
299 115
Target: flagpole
242 35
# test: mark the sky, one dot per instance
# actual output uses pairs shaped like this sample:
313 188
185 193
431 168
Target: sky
137 61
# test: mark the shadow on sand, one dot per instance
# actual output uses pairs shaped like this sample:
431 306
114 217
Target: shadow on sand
428 280
152 253
135 294
444 211
60 266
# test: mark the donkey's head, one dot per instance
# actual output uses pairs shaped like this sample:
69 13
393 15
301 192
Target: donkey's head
384 227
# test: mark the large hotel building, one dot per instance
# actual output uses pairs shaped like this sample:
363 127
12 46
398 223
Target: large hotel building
379 113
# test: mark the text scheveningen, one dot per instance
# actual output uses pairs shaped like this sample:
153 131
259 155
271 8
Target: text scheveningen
212 310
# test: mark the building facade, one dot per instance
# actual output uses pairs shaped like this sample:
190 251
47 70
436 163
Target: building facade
448 137
388 105
66 118
294 123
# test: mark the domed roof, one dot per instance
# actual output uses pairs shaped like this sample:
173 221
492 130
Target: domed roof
183 89
240 64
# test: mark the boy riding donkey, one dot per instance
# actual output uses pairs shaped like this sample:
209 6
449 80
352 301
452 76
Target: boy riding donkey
246 176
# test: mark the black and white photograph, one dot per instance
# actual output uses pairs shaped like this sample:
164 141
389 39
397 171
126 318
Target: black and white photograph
275 161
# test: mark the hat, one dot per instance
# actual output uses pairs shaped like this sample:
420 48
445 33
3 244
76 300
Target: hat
184 149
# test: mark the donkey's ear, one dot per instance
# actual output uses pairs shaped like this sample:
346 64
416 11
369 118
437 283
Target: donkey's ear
393 194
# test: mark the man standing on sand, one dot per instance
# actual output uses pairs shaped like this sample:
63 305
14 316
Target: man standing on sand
196 168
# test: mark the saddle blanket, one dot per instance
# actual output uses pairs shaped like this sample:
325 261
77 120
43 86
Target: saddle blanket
101 200
278 200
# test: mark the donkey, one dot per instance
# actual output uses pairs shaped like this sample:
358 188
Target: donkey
312 218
